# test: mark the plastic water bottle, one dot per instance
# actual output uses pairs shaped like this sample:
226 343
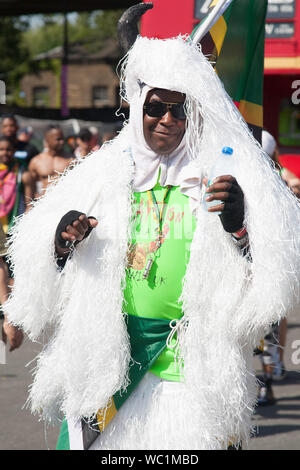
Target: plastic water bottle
223 165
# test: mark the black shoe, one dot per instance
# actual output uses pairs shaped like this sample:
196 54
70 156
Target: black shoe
265 394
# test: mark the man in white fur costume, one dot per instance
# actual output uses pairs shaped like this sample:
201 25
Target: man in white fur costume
194 306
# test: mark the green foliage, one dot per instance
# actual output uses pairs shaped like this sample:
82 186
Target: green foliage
45 37
89 29
20 43
15 57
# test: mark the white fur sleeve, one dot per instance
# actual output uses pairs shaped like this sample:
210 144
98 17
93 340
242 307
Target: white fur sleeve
34 301
36 277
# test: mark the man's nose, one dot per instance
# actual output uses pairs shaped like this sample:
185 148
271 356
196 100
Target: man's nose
167 118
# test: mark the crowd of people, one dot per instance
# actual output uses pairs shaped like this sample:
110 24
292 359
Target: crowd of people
25 173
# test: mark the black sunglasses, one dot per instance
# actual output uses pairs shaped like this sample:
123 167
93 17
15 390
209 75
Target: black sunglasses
160 108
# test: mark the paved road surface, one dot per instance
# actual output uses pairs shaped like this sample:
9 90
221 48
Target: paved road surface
278 425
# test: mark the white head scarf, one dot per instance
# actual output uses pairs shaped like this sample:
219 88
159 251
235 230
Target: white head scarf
176 169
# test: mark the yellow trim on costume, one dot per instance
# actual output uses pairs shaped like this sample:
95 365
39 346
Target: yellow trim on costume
252 113
214 3
105 415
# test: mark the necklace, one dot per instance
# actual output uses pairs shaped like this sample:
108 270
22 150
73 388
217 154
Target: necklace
158 214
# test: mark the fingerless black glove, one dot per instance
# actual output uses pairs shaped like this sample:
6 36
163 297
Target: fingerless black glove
232 217
66 220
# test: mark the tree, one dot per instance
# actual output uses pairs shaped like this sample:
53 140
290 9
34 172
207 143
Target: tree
90 29
15 56
20 44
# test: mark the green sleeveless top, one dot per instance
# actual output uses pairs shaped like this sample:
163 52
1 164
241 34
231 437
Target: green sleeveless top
157 296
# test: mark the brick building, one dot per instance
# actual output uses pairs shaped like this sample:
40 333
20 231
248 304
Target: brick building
91 82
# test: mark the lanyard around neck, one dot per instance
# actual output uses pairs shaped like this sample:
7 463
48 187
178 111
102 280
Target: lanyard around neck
158 214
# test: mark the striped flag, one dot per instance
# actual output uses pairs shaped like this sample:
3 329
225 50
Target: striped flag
235 45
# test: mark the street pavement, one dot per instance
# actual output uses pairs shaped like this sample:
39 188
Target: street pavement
277 426
19 429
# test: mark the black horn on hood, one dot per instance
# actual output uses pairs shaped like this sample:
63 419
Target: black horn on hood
127 25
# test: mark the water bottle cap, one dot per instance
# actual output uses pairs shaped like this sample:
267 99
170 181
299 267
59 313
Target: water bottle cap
227 150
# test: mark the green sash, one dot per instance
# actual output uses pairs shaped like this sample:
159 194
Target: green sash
148 337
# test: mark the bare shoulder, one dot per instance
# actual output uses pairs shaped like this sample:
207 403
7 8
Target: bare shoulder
37 159
27 177
67 159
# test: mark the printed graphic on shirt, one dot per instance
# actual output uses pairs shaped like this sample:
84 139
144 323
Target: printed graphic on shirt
157 260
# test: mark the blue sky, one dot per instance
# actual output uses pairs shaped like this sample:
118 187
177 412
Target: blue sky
36 20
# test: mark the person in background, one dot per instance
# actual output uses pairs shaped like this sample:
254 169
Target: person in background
95 138
270 146
292 180
25 151
25 134
71 142
51 162
16 184
85 142
109 135
10 333
16 189
273 344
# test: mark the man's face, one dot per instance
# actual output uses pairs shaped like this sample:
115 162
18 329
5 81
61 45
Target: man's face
163 134
85 146
6 152
55 140
9 127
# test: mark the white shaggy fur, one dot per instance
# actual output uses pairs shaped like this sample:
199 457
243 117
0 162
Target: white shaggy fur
147 407
227 301
88 324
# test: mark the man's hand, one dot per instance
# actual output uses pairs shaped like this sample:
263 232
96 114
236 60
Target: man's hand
13 334
226 188
73 228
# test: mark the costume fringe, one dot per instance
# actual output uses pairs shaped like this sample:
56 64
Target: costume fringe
84 302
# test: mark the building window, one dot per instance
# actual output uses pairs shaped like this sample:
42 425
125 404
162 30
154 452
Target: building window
100 96
289 122
201 8
41 97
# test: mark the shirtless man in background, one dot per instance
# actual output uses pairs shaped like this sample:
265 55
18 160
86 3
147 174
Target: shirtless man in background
51 162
